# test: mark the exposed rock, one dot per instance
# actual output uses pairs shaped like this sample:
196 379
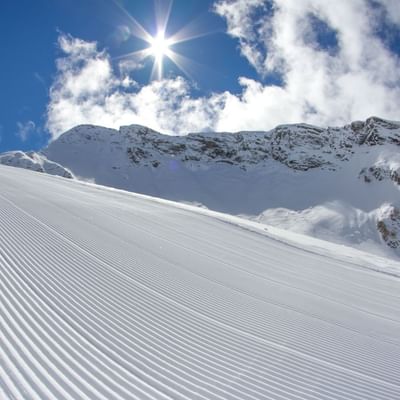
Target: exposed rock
389 226
380 172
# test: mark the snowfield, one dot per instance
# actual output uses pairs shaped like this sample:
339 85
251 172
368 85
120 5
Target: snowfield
110 295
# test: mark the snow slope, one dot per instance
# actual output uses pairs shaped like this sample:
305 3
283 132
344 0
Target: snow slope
110 295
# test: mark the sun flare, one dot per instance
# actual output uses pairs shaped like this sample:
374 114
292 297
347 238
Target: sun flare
159 47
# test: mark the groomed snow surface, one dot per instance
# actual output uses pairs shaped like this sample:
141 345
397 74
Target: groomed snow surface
110 295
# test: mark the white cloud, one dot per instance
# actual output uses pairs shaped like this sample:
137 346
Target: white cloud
25 129
243 24
88 90
358 78
129 65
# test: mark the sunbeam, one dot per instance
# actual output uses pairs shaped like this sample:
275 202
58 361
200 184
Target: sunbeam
136 28
162 10
183 63
194 30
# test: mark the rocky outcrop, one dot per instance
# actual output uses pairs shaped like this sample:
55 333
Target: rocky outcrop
380 173
376 131
388 225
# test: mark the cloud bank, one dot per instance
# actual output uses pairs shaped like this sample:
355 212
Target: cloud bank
88 90
331 61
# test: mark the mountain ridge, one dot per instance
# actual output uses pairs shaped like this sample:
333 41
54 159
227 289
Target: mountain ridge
338 184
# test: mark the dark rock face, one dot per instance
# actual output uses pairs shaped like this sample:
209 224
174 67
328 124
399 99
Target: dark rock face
299 148
389 227
376 131
136 154
380 173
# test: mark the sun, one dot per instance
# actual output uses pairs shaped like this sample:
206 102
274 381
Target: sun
159 47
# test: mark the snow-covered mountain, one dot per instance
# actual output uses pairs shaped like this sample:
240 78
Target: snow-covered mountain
340 184
34 161
110 295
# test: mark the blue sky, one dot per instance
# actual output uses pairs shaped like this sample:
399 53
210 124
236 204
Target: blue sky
30 29
259 63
